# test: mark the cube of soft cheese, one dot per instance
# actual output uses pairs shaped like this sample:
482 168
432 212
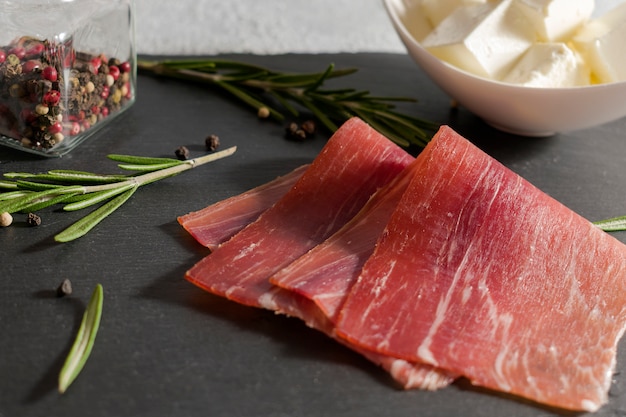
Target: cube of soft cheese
414 19
484 39
601 43
549 65
437 10
555 20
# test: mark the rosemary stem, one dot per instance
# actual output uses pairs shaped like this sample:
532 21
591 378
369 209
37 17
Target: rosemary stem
167 172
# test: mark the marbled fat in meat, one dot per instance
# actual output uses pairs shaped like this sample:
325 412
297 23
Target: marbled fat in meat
480 273
354 163
215 224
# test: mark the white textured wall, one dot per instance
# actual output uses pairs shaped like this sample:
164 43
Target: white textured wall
262 26
188 27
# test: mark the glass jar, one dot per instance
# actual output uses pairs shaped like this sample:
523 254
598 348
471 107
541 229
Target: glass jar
67 68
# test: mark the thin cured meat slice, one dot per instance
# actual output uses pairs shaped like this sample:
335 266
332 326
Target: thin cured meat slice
325 274
215 224
265 295
354 163
480 273
407 374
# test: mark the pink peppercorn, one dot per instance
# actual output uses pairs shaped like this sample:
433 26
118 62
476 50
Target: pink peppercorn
94 65
104 111
18 51
35 50
125 66
114 72
3 56
105 92
55 127
50 73
52 97
74 129
30 65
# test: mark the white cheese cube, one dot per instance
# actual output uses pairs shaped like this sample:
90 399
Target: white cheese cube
437 10
414 19
555 20
552 65
601 43
485 39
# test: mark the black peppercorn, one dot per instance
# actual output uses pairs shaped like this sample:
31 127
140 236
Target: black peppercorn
65 288
212 142
309 127
182 153
33 220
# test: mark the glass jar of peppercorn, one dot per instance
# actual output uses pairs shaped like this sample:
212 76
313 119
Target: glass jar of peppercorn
67 68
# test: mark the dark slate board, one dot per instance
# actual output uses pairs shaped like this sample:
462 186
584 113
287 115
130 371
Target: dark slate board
167 348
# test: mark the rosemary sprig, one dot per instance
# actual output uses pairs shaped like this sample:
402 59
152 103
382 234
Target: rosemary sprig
83 344
615 224
24 192
260 87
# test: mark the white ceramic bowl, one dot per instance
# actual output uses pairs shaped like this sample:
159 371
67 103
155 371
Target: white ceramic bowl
521 110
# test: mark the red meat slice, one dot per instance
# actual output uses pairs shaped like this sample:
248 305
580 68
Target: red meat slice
408 374
215 224
355 162
480 273
324 275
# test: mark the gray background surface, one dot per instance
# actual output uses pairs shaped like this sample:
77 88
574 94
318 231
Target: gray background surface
165 347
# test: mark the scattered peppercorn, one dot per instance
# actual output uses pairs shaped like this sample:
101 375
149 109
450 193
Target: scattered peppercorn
182 153
309 127
263 112
295 132
212 142
6 219
65 288
33 220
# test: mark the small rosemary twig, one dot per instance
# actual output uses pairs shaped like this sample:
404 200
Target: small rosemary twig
260 87
24 192
83 344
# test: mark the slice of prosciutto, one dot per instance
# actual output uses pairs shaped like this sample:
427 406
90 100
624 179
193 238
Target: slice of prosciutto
353 164
326 273
215 224
323 276
481 274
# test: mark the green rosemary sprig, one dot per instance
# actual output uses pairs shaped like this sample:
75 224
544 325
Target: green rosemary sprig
83 344
615 224
260 87
24 192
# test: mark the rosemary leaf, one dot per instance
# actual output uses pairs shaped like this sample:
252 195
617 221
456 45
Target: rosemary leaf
615 224
84 177
84 225
35 186
68 177
83 344
148 168
9 195
8 185
97 197
20 203
48 202
140 160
